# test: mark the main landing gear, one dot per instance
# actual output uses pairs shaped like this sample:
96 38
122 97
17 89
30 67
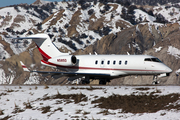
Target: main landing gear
103 81
155 81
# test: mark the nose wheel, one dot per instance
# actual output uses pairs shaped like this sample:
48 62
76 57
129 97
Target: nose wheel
155 81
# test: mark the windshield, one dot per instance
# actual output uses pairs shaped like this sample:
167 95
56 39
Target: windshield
152 59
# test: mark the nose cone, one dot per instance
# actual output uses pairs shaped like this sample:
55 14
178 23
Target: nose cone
168 70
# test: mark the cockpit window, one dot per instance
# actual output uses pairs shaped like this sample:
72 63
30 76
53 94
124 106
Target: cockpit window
147 59
155 60
152 59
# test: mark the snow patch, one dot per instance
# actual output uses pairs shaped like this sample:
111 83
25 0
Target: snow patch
158 49
33 79
20 96
144 16
4 79
174 52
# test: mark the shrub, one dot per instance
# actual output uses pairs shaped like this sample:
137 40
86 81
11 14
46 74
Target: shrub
66 25
83 35
106 30
160 18
51 35
39 26
131 9
106 7
90 12
85 6
55 29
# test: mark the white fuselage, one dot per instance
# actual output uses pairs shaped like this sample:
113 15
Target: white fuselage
114 65
96 66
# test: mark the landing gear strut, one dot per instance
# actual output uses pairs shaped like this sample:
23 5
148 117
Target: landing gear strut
86 80
155 81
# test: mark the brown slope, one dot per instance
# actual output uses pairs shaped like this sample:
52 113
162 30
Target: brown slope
6 46
75 20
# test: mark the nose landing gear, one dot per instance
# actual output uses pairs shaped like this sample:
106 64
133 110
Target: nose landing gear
155 81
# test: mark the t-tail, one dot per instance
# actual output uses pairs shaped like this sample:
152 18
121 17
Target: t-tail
47 49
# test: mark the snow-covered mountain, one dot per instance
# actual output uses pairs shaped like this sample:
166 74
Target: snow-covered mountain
79 25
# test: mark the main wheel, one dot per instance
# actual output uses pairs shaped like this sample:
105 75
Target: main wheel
155 82
102 82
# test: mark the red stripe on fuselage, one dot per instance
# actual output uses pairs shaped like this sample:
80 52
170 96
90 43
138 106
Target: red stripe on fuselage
92 68
45 56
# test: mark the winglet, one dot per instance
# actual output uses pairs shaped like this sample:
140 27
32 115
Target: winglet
24 67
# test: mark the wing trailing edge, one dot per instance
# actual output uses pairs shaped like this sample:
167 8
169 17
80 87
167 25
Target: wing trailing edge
47 73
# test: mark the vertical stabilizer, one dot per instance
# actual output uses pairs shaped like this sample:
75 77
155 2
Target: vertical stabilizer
46 47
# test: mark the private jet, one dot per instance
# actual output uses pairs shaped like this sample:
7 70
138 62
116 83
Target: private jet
101 67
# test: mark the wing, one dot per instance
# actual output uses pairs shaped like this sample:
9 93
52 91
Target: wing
69 74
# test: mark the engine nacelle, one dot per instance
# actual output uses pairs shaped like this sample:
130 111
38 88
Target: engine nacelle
65 60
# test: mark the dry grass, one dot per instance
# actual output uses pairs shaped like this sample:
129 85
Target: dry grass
82 112
46 109
27 105
14 25
139 103
142 89
76 98
106 112
57 17
9 90
1 94
6 21
90 88
6 117
17 109
1 112
47 19
46 86
6 45
7 18
19 18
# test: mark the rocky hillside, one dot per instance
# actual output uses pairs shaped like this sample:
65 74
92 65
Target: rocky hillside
88 27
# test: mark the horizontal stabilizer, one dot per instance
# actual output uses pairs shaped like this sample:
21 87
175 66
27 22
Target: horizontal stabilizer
36 37
24 67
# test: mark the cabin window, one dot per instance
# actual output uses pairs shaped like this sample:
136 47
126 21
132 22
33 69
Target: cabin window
114 62
126 62
102 62
108 62
120 62
96 62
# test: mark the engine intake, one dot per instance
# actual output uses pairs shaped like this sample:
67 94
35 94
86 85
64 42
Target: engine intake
73 59
65 60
